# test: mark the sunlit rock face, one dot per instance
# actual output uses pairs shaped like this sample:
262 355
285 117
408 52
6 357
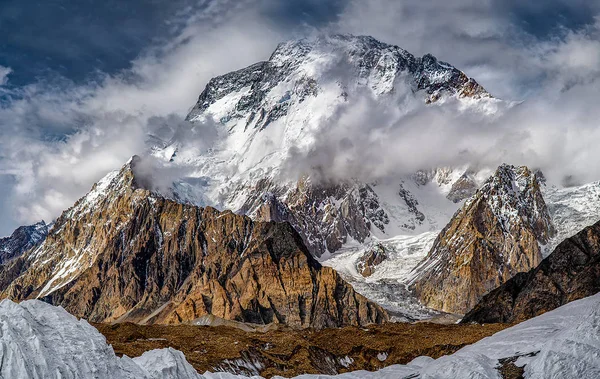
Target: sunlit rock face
124 253
495 235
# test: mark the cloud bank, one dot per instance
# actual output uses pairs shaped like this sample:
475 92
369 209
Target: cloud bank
57 138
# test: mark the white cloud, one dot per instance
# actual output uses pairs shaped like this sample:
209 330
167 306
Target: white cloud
106 123
4 72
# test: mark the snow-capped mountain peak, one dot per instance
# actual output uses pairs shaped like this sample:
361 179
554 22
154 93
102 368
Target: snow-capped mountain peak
496 234
21 240
298 69
268 113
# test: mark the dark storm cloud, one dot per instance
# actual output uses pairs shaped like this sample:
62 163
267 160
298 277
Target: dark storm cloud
77 38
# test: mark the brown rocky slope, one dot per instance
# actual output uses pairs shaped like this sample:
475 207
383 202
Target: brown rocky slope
495 235
570 272
123 253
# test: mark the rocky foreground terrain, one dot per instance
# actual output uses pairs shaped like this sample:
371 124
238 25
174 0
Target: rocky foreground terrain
42 341
288 352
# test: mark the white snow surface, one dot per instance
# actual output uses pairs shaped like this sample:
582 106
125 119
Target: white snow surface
39 340
571 209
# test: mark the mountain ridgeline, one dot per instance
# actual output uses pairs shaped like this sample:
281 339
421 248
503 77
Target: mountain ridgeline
21 240
273 109
570 272
495 235
123 253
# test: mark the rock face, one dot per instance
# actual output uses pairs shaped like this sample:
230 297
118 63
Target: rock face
495 235
123 253
372 257
325 216
463 188
570 272
329 215
22 239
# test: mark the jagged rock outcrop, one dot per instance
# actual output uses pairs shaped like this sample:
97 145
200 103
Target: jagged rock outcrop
329 215
370 259
463 188
21 240
325 216
494 236
123 253
570 272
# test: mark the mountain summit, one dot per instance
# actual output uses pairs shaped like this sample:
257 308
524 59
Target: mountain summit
304 68
271 114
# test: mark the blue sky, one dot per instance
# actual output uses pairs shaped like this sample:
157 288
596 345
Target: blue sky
80 39
80 79
77 38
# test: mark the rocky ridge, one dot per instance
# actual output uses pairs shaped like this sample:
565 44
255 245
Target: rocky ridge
570 272
371 258
494 236
123 253
21 240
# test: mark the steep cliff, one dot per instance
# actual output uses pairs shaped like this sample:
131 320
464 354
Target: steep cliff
570 272
495 235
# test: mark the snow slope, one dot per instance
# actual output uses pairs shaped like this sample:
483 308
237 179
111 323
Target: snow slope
571 209
387 286
38 340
